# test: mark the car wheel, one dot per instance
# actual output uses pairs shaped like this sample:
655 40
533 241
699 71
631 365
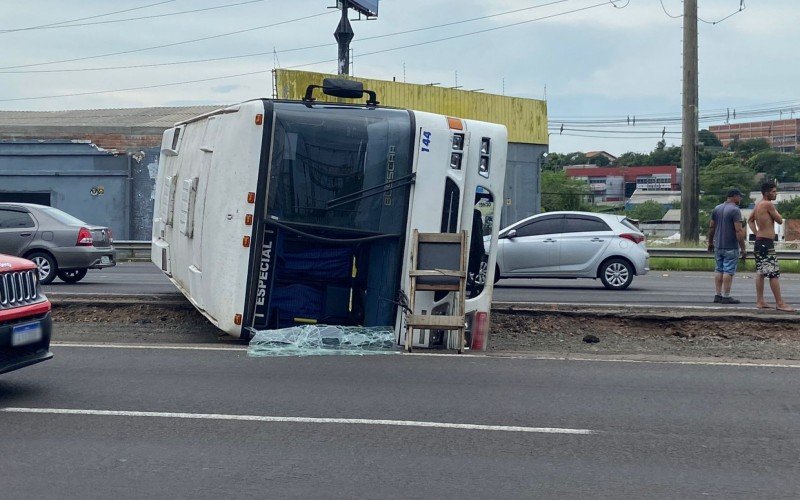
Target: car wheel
46 265
72 276
616 274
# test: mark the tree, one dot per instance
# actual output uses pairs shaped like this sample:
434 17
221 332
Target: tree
746 149
725 172
633 159
557 161
601 161
666 156
789 209
781 167
560 192
709 139
649 210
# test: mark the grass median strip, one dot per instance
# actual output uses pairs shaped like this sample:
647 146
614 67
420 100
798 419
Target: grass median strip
707 264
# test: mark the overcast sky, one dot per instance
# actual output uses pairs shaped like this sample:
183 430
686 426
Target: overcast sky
607 62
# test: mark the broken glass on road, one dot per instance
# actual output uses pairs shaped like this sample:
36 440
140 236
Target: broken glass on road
317 340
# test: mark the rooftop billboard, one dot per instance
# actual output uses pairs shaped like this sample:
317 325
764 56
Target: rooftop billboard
366 7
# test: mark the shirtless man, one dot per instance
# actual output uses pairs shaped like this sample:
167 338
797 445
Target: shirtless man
762 223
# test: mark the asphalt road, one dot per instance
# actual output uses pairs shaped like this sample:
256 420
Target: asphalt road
571 429
659 288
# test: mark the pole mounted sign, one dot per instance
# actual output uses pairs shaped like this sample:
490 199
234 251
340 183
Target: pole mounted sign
367 7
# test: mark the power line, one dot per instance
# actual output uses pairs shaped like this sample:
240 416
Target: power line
273 52
607 2
741 8
140 18
169 44
85 18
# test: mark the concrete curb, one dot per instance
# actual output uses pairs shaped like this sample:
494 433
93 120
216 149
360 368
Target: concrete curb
646 313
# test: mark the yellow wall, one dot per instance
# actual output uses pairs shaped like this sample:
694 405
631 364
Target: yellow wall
526 119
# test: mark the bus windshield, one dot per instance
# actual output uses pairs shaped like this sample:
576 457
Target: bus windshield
337 168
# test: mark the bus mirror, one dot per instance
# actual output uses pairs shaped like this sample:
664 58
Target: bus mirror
345 89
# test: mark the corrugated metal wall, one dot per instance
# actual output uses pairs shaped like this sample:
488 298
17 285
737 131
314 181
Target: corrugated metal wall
526 119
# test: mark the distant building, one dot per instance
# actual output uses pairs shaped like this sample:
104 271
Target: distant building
617 184
782 135
664 198
591 156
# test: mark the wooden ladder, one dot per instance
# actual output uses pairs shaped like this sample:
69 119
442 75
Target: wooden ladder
438 263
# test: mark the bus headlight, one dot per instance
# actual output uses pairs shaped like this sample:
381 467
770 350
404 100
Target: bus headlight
485 146
483 168
458 142
455 161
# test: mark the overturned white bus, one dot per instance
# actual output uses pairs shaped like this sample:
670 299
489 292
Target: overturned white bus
275 213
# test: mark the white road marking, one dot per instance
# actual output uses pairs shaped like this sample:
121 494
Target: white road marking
302 420
542 357
152 347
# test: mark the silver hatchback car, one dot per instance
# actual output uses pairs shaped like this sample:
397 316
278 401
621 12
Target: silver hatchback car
58 243
573 245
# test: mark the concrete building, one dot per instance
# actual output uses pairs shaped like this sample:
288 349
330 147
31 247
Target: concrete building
783 135
617 184
62 158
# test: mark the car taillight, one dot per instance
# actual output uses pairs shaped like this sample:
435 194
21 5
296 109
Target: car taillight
636 238
84 238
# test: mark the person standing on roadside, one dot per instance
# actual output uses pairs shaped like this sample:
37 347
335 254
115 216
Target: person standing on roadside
762 224
726 240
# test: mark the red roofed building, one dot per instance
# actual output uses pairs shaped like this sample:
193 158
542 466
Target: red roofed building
617 184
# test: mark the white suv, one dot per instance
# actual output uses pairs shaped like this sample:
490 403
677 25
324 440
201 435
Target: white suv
573 245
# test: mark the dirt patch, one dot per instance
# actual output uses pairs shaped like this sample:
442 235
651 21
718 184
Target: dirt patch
698 334
565 333
132 322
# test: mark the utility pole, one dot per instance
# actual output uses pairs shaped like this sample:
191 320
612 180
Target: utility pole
690 189
344 34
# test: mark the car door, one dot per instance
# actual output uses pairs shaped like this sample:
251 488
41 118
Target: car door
17 230
583 243
532 249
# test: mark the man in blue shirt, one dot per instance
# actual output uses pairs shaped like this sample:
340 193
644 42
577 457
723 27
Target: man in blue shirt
726 239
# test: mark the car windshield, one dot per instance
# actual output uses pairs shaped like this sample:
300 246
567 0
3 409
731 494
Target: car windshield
62 217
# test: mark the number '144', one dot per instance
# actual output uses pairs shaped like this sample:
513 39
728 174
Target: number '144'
426 141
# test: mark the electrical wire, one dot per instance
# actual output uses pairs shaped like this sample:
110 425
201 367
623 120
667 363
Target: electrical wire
741 8
212 37
85 18
144 87
141 18
667 13
272 52
462 35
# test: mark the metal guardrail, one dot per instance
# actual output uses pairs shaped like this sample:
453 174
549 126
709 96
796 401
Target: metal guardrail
132 250
699 253
140 250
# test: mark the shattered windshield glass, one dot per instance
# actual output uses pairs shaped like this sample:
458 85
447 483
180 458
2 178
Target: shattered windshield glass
318 340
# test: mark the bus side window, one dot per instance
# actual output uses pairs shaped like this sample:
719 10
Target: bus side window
450 207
